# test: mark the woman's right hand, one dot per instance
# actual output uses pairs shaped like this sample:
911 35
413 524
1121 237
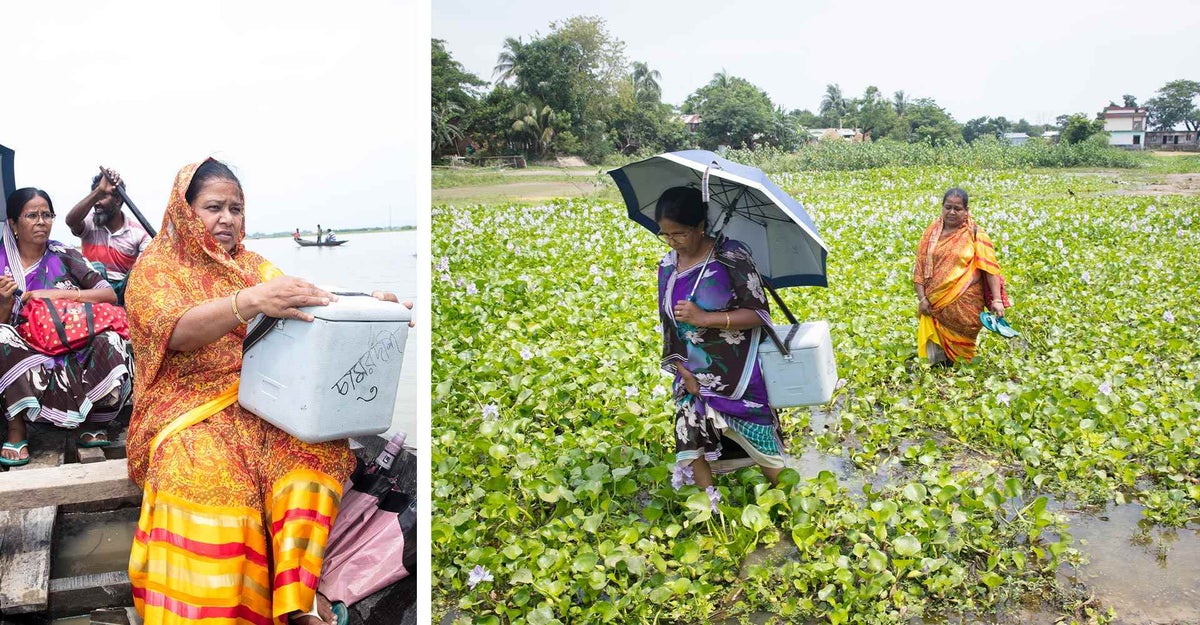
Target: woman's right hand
689 381
282 297
924 307
8 287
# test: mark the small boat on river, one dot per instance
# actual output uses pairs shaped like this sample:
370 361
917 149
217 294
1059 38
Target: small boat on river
304 243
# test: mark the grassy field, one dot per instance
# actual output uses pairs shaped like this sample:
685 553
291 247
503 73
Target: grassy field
552 432
480 185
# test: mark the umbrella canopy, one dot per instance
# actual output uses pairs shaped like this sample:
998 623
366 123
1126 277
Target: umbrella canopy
7 182
743 205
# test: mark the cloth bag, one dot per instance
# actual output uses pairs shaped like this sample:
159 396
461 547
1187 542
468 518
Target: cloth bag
58 326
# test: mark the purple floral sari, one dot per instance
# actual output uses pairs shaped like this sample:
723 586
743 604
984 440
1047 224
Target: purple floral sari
733 394
91 384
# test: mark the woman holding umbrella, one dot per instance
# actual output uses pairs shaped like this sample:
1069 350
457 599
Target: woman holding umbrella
712 306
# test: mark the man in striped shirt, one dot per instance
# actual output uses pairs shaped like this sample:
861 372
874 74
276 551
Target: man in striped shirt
108 237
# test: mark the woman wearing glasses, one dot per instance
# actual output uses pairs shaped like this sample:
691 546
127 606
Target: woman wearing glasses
712 306
79 389
954 259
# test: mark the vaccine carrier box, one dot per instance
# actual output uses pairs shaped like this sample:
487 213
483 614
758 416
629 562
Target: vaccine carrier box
331 378
807 378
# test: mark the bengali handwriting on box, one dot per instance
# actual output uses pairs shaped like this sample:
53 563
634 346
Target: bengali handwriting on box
357 379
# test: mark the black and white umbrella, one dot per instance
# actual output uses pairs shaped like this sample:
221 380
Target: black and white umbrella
743 204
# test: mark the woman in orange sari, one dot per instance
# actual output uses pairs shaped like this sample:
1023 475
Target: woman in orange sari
236 513
953 259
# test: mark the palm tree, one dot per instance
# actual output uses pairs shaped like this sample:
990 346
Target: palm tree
534 123
443 131
900 103
507 63
834 103
721 79
645 82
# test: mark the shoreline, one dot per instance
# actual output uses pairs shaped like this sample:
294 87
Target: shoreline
310 233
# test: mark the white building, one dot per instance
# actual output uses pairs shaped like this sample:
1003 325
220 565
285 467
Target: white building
1126 126
1016 138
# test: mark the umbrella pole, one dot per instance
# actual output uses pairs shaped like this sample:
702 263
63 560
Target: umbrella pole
779 302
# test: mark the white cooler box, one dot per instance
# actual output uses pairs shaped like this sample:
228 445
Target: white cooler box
810 376
332 378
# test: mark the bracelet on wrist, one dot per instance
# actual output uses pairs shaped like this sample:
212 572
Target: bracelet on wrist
237 313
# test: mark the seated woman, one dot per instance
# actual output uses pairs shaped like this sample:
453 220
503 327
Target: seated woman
236 512
86 387
954 258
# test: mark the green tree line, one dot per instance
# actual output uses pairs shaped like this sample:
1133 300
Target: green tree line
573 91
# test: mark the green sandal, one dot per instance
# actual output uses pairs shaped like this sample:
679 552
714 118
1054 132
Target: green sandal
95 440
17 447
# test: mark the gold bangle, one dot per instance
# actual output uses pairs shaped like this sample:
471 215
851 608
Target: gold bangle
236 313
727 321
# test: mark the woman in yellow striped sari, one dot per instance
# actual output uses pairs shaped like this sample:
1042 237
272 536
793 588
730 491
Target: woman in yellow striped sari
953 259
236 512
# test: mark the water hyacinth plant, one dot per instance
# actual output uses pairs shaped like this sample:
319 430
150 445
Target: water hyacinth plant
552 450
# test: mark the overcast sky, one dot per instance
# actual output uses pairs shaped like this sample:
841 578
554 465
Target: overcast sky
312 103
1021 58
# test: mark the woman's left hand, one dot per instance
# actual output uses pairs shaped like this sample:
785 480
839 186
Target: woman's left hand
998 308
47 294
385 296
689 312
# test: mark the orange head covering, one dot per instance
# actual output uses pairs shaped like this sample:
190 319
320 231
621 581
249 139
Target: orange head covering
929 241
186 233
183 267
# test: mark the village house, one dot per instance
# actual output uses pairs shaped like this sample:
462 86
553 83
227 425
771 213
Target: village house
846 134
1178 138
691 121
1016 138
1126 126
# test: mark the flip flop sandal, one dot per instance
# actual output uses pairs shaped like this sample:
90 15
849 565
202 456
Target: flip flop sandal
988 319
1005 330
340 615
95 440
340 612
17 447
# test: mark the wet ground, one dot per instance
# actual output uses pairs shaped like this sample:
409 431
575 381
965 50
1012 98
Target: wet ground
1149 575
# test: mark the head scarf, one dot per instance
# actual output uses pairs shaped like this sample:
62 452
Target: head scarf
928 244
183 267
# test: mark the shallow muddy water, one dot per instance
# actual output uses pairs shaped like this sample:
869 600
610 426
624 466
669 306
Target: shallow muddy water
1149 575
92 542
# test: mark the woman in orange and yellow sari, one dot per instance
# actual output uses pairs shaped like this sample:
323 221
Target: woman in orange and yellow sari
954 259
235 512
